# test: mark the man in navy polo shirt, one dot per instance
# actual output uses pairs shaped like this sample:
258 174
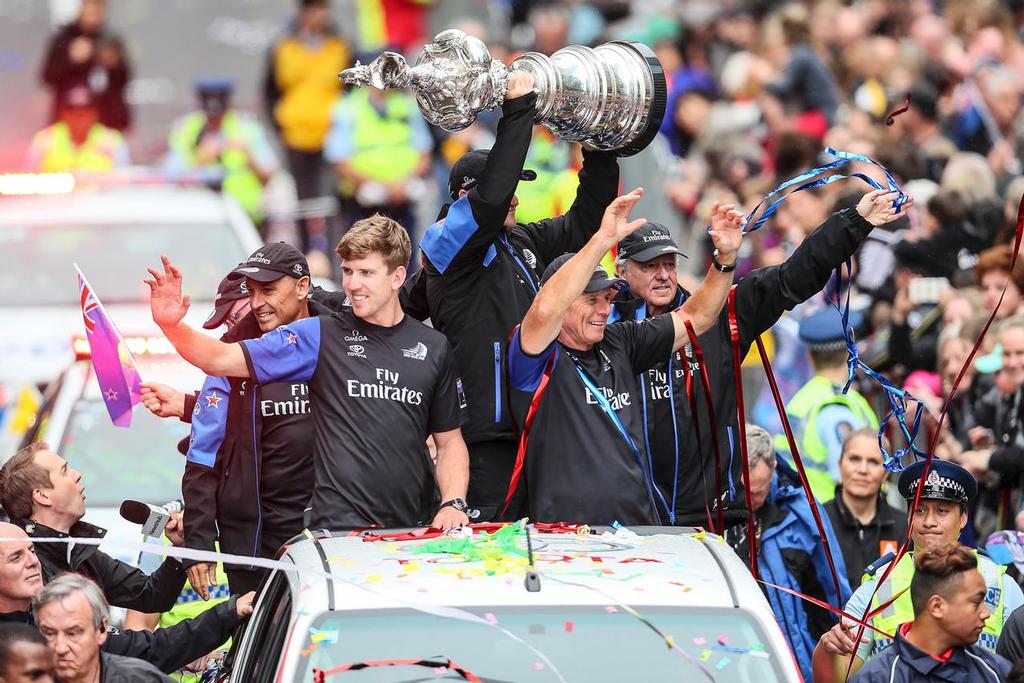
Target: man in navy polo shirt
379 382
584 451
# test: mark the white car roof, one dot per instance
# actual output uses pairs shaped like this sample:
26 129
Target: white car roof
118 205
678 568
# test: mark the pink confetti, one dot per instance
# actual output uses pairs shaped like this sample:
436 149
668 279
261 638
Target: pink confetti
538 666
611 609
441 670
569 626
491 618
700 641
723 639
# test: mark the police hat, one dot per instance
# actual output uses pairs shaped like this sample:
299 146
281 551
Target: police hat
231 289
823 330
647 243
467 170
599 279
945 481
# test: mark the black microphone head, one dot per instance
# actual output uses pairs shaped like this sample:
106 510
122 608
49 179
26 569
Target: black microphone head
134 511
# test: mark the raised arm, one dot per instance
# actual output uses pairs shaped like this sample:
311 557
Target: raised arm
169 307
703 308
543 321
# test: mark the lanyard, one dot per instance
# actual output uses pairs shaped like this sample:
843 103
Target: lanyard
613 416
530 275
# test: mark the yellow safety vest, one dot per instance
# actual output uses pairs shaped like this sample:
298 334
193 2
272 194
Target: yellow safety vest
554 190
240 181
61 154
383 145
901 611
307 77
803 410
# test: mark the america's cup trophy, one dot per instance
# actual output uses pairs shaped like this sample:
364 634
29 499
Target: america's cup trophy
611 97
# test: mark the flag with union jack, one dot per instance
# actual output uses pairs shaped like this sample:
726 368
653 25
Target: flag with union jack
112 362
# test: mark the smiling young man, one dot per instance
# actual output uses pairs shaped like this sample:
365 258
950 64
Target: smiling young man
948 595
44 495
940 515
381 382
590 401
866 526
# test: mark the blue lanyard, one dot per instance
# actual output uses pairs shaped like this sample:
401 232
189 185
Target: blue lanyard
610 412
522 266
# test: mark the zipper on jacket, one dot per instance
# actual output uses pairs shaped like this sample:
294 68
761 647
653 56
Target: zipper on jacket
497 381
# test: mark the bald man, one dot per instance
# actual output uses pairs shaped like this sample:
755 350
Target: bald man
168 649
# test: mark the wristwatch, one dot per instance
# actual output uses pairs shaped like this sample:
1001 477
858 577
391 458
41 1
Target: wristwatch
719 266
456 503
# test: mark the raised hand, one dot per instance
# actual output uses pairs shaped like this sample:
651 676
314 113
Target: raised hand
726 230
876 207
615 223
519 83
166 302
162 400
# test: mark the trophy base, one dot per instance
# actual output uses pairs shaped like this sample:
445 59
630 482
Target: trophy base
659 100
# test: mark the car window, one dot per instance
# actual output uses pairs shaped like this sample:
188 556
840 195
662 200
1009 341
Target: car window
262 636
38 259
586 643
142 463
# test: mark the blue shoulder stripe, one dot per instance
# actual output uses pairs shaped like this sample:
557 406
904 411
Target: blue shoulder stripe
446 238
209 422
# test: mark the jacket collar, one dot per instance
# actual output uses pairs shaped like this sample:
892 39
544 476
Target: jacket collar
923 662
52 551
883 513
626 307
81 529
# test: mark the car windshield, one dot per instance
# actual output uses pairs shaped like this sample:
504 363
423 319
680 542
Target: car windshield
585 643
142 463
38 259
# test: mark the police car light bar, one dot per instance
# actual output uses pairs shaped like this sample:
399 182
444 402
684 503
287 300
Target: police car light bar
36 183
139 346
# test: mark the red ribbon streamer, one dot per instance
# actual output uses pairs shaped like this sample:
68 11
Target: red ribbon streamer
741 416
709 402
891 118
695 418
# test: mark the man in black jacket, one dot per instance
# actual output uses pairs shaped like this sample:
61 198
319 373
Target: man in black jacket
168 649
865 525
483 273
44 495
761 298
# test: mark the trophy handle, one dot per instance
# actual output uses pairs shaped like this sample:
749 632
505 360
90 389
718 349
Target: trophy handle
387 70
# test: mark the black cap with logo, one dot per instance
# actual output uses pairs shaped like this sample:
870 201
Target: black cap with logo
272 262
231 289
467 170
599 279
648 242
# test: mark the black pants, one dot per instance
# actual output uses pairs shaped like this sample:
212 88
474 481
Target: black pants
242 580
308 171
490 471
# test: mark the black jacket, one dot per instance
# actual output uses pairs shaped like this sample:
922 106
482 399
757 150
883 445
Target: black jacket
223 498
118 669
481 278
862 544
168 649
761 298
122 584
904 663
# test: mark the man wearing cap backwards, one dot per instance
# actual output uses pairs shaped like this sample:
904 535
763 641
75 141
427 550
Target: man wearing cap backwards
483 270
381 382
820 413
270 477
938 519
647 261
585 459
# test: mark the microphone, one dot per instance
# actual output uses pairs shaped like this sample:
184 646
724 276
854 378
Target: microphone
153 518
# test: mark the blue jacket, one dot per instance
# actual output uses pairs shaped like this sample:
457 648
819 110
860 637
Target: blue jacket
904 663
791 555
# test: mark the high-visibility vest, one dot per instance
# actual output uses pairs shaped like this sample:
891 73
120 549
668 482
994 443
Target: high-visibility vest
554 190
803 410
240 181
307 76
901 611
383 147
99 152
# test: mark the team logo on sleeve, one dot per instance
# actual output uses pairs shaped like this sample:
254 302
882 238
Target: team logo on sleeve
419 352
530 257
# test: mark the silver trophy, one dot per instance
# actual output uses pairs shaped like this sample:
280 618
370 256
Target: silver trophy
610 98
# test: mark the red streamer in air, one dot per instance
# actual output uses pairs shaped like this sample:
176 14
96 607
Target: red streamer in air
891 118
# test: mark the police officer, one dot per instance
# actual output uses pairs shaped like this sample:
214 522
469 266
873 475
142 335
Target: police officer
821 414
938 519
647 261
77 141
483 274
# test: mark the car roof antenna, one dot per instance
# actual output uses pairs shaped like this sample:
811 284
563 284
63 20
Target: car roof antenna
532 579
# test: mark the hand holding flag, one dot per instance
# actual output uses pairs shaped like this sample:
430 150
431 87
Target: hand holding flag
112 362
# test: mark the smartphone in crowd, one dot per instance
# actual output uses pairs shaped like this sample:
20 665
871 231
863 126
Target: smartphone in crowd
927 290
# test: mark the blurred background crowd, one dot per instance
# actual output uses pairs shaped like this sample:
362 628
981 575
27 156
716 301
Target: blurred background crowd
244 96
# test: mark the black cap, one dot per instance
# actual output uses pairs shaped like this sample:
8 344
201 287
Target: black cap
945 481
649 242
231 289
599 279
272 262
467 170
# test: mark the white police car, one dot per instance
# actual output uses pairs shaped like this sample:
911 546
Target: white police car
399 610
